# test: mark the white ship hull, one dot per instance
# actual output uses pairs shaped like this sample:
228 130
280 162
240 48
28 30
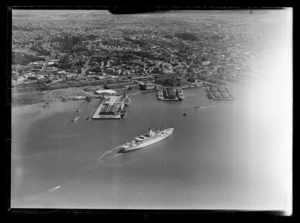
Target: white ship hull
161 135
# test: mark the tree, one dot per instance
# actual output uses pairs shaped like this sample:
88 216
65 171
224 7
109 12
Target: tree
187 36
191 79
170 82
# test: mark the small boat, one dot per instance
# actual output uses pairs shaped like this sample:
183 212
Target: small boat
88 119
123 113
75 119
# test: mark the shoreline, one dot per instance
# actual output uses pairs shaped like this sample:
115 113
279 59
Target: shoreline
70 94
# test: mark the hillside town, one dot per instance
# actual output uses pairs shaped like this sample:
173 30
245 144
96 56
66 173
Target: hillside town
63 53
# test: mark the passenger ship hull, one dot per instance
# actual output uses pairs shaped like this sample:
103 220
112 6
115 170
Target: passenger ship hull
167 132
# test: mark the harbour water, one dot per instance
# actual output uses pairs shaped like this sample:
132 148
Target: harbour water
227 154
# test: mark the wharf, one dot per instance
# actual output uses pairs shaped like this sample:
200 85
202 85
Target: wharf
219 93
170 94
162 98
110 108
98 115
167 99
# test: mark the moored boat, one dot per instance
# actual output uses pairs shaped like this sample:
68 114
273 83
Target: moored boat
75 119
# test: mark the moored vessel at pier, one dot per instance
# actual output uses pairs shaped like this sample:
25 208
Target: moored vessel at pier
179 93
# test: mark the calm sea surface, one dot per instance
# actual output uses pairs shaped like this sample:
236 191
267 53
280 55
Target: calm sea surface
228 154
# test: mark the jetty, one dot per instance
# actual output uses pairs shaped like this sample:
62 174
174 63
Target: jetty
170 94
112 107
219 93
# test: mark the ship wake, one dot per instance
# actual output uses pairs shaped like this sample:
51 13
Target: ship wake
65 182
111 154
111 158
199 108
115 157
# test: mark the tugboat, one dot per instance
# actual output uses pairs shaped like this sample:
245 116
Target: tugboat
160 95
146 140
75 119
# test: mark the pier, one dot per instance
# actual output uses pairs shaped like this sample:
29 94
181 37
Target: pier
219 93
111 107
170 94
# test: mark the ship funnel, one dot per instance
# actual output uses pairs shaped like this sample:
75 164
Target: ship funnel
150 132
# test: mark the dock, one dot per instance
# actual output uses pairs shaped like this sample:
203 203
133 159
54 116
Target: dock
170 94
219 93
111 107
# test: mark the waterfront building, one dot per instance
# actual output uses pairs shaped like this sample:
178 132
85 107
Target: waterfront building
109 109
148 86
108 91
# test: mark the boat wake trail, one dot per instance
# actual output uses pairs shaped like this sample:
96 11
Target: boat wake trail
212 106
53 189
190 111
114 159
65 182
111 158
109 154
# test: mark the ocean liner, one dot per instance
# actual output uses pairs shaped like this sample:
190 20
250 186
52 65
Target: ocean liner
146 139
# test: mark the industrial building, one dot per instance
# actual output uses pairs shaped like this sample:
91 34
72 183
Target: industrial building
109 110
108 91
148 86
